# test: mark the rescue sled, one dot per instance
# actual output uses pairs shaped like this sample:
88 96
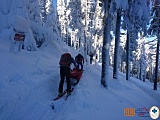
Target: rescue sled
75 76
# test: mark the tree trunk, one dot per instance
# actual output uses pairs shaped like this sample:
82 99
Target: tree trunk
140 70
85 35
128 56
85 47
117 41
157 60
105 48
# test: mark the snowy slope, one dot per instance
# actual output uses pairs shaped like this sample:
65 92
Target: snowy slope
91 101
29 80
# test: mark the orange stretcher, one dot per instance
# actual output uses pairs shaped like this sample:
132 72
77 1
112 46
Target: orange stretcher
76 74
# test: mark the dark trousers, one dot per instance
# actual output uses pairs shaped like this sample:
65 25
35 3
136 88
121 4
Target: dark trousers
64 73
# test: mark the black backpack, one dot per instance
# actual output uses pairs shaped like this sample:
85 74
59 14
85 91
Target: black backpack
79 58
65 59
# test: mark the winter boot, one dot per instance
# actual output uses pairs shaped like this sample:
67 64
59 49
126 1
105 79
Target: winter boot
68 93
60 94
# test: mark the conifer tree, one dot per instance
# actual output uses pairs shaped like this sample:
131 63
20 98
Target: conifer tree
155 30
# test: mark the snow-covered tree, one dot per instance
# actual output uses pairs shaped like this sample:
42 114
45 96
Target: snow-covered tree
43 21
155 29
150 46
75 22
117 7
139 63
42 6
35 18
106 44
14 17
61 14
122 52
117 41
51 21
98 29
135 19
50 14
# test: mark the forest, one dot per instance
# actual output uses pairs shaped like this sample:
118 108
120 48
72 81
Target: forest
123 34
119 40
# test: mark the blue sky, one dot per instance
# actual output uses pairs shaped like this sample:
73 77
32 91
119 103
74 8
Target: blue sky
55 2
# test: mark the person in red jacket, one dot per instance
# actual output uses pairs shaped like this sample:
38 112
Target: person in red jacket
65 63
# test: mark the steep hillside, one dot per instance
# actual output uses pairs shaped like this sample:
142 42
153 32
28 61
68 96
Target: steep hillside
29 80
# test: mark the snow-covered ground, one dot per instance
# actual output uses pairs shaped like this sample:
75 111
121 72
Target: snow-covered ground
29 81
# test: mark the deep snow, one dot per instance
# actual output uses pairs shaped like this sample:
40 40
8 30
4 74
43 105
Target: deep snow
29 81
